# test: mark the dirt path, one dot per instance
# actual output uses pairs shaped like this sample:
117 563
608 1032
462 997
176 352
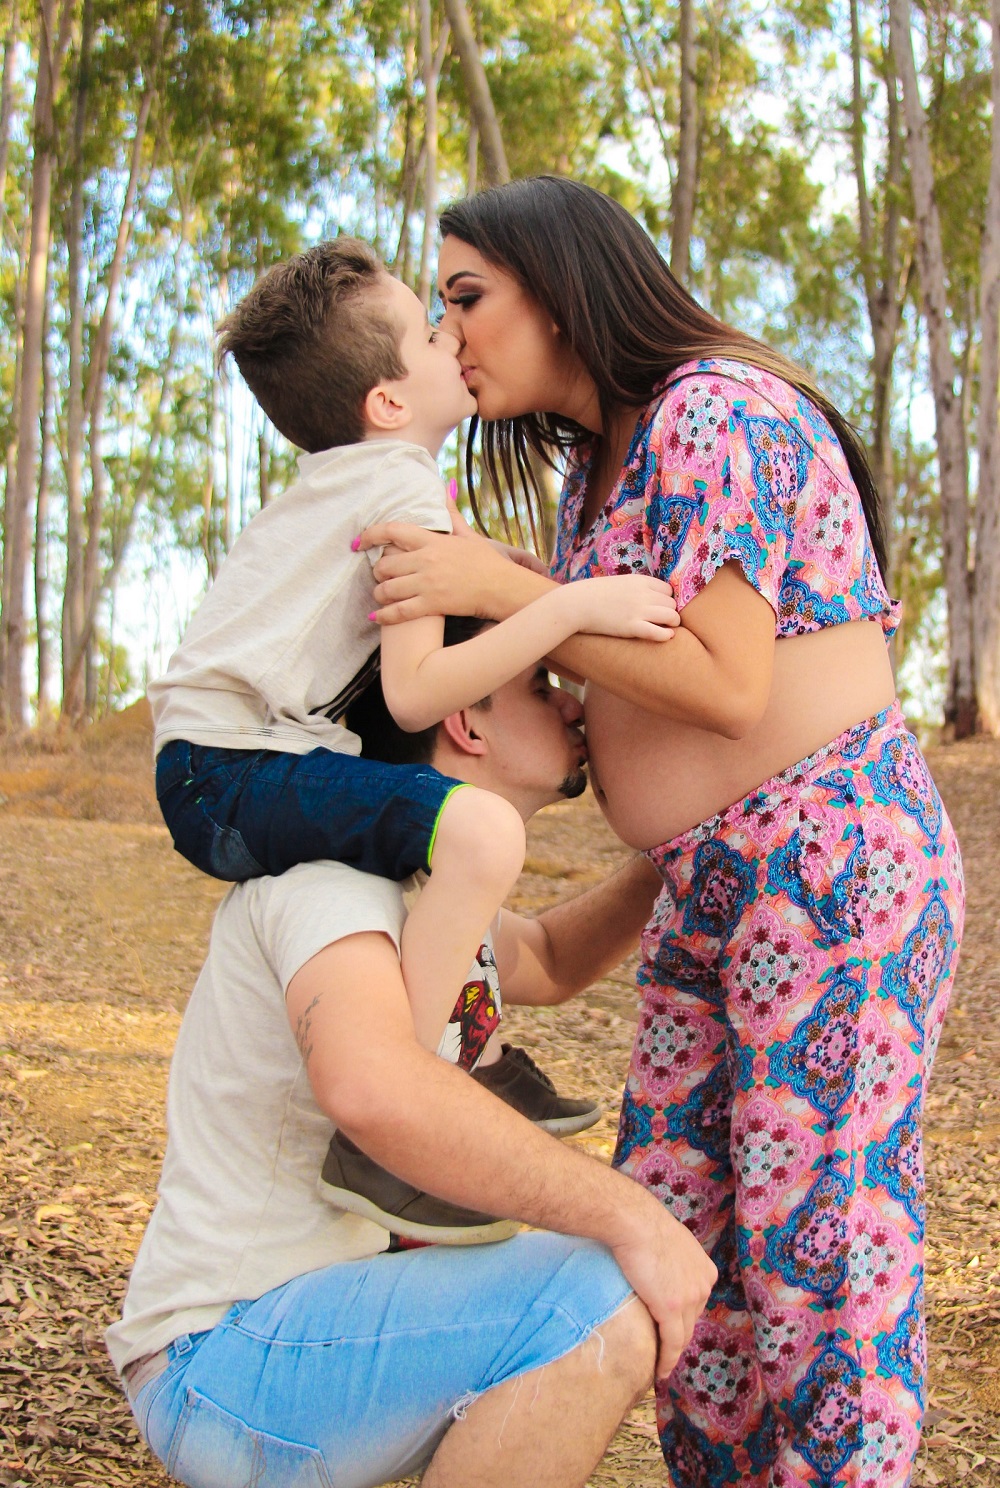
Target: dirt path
101 933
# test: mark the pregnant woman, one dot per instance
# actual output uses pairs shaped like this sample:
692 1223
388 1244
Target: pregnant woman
795 974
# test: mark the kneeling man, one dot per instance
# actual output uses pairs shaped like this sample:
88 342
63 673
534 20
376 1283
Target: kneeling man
267 1337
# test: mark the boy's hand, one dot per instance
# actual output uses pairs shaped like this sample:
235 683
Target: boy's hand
636 605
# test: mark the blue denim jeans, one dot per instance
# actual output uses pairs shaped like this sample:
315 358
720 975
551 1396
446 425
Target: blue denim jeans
239 814
349 1377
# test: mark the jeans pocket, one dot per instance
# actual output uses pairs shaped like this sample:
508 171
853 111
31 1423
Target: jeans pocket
213 1449
228 857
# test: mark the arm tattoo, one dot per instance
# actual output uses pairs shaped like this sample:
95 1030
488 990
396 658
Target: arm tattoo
303 1029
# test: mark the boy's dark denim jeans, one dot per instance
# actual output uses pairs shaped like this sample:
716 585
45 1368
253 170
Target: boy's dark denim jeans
239 814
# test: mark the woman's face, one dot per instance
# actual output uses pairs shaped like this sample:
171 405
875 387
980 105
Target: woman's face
514 358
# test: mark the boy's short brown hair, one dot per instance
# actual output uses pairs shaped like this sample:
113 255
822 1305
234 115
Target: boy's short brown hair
311 340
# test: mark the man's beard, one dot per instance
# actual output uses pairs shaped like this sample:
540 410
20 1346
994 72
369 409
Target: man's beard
574 784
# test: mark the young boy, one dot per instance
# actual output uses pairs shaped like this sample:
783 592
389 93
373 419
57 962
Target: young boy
255 769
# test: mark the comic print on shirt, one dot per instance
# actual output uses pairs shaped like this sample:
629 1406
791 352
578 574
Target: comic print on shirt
476 1014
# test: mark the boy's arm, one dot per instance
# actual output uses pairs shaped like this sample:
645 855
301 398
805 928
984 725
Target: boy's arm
435 1128
568 947
424 681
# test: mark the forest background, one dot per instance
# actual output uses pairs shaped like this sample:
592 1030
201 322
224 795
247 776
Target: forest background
823 173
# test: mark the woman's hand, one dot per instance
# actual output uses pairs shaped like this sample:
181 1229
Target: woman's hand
434 573
521 557
461 528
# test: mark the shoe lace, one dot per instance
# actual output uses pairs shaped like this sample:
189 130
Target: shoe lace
524 1059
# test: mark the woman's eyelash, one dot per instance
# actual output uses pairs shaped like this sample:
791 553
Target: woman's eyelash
464 300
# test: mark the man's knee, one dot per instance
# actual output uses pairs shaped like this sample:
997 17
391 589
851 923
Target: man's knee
613 1366
626 1349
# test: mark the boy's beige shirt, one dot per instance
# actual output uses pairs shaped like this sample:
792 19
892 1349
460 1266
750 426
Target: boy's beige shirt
275 649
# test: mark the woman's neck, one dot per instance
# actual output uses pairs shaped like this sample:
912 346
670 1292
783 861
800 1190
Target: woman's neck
609 458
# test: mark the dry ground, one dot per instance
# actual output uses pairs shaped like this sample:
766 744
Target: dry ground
101 932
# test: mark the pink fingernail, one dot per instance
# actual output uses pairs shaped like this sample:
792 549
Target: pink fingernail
355 545
453 489
373 615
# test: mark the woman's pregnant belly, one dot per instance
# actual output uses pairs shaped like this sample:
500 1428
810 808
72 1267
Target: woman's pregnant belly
655 778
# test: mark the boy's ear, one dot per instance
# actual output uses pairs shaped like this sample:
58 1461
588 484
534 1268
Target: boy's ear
384 410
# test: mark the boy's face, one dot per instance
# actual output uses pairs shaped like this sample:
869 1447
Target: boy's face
433 388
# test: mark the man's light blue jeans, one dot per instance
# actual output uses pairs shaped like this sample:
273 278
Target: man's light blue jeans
349 1376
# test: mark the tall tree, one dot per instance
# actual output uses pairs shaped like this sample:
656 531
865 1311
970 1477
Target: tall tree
986 601
885 261
483 116
431 71
686 178
960 710
88 387
54 23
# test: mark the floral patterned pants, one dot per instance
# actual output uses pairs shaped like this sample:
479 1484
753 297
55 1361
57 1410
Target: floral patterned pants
793 982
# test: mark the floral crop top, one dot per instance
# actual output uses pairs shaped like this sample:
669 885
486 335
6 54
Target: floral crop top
731 463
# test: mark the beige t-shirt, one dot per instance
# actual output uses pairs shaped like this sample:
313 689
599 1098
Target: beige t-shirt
238 1212
282 641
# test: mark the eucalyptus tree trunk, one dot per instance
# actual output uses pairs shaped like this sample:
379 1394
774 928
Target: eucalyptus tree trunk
84 560
53 36
9 462
74 602
477 91
472 160
43 652
645 77
885 269
986 597
685 185
960 707
431 62
7 92
412 163
263 469
430 151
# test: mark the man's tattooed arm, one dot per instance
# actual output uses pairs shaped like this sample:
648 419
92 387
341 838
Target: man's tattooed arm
304 1031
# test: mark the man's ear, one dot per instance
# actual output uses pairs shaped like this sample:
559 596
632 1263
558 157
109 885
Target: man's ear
461 733
384 410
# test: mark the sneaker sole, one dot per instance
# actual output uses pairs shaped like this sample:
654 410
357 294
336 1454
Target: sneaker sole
484 1234
568 1126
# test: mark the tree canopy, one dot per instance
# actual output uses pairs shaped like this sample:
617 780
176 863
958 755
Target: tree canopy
819 173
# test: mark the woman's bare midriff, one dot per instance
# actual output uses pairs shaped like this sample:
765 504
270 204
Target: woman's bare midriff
656 778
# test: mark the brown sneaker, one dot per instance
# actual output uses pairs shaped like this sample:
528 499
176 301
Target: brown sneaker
351 1180
516 1079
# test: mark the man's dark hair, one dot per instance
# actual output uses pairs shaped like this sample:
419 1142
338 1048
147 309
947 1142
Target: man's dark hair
311 340
381 736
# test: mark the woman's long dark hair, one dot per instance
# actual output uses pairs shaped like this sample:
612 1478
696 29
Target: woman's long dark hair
597 274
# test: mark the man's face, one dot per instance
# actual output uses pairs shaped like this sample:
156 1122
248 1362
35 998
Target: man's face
536 750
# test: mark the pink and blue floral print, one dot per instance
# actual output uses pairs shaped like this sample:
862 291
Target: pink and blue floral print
793 982
730 464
